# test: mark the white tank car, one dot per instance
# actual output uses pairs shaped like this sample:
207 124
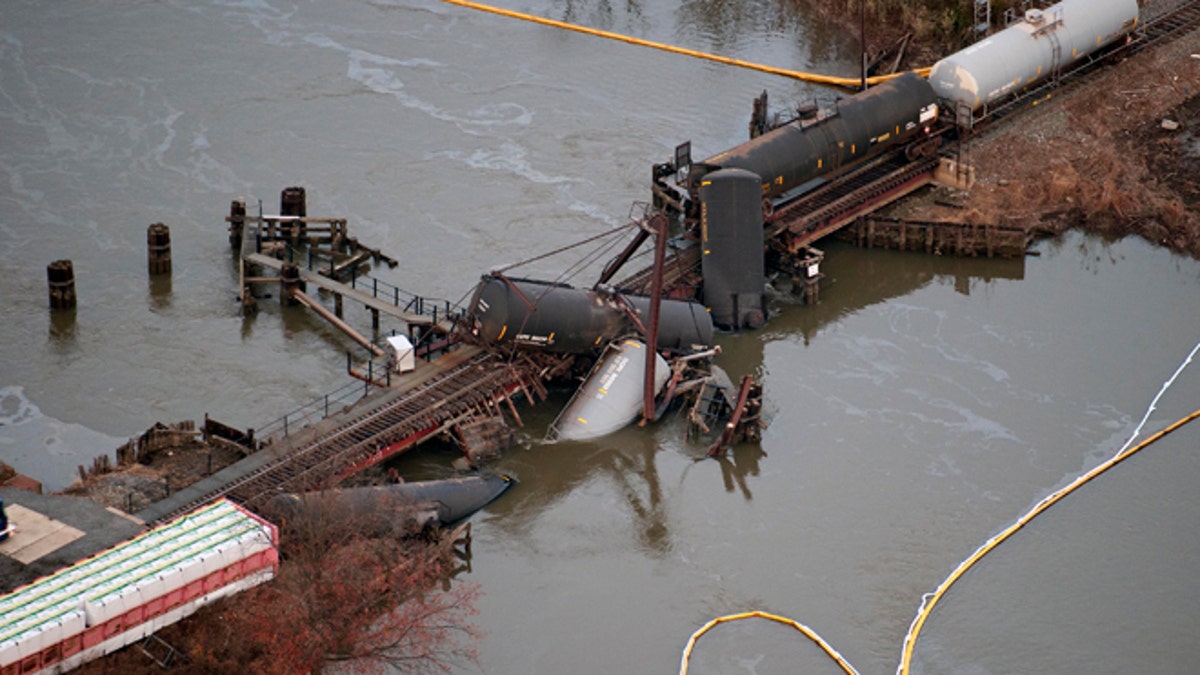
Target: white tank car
1032 50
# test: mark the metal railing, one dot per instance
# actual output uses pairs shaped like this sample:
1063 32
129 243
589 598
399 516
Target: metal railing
436 308
314 411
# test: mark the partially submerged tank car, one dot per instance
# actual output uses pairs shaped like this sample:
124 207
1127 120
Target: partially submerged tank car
551 317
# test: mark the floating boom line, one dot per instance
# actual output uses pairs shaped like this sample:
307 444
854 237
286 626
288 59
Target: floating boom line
930 600
852 83
808 632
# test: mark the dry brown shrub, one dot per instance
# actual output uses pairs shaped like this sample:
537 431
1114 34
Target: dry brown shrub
1063 183
1172 214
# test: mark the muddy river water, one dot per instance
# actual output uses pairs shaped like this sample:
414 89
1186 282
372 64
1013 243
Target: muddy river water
920 408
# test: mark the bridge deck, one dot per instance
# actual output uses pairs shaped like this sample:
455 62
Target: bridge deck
462 385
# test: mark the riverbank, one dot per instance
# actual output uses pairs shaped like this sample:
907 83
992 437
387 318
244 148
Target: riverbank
1114 155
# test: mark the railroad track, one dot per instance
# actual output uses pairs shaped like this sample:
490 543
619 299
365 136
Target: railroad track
317 457
827 196
681 269
1168 24
327 454
802 226
1162 27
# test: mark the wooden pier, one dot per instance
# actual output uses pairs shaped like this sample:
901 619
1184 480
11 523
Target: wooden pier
465 394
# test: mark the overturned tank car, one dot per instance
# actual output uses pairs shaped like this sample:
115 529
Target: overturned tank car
543 316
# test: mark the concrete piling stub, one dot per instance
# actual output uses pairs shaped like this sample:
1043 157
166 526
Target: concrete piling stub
60 275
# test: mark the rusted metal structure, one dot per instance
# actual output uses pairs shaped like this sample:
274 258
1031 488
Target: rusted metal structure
461 388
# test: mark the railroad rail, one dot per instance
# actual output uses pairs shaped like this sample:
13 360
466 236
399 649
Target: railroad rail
1159 28
804 222
390 423
830 207
1168 24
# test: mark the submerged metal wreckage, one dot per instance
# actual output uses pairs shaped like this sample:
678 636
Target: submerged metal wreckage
631 354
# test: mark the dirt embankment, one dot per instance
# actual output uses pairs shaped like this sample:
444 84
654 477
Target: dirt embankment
1117 154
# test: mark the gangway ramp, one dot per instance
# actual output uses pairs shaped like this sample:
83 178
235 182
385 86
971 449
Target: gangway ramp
389 306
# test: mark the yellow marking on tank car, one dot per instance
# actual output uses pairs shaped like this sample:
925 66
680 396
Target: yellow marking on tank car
503 330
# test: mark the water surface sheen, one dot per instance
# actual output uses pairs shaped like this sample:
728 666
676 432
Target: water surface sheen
919 409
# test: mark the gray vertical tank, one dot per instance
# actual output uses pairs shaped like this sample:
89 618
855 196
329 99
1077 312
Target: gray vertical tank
731 220
1031 51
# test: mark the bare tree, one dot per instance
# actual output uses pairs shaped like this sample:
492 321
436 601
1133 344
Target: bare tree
351 594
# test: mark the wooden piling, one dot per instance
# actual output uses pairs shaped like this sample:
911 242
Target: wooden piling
289 278
60 275
158 248
237 222
292 202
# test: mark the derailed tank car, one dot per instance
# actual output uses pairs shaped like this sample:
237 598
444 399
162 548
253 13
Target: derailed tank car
1031 51
731 228
543 316
899 111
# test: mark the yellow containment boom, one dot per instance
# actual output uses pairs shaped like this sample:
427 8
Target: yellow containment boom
843 82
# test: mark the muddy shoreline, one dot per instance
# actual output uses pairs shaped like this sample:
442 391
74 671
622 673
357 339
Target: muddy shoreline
1116 154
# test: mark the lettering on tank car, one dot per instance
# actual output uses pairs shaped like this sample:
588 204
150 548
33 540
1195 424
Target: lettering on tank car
610 375
535 340
928 113
483 305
